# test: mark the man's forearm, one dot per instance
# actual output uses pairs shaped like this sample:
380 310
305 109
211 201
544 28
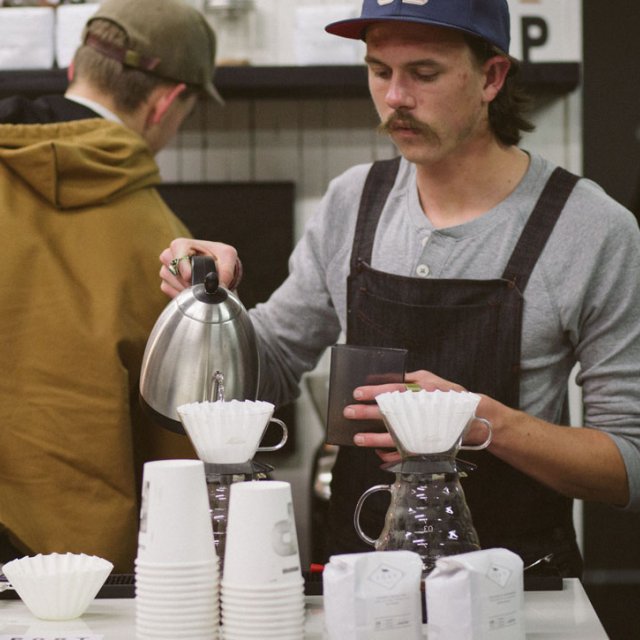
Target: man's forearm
579 462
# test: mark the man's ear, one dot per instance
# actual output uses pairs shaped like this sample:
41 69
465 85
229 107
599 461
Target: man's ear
163 98
496 70
70 72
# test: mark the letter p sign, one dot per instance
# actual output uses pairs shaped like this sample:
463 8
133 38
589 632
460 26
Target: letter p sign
535 33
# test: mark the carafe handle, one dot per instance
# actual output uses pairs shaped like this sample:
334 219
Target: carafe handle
356 513
486 443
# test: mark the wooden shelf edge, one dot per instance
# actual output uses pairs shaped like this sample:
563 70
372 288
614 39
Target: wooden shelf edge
285 82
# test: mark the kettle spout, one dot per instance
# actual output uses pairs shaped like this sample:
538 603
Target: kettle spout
217 386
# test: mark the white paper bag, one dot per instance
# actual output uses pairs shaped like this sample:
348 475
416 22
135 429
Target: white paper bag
373 596
476 596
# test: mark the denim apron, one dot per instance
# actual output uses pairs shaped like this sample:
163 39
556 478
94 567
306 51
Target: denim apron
468 332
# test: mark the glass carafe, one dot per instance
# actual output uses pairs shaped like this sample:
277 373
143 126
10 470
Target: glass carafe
220 477
428 513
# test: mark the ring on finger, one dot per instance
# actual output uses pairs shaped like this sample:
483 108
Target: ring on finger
173 265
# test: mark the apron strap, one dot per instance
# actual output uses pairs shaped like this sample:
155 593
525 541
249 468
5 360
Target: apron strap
380 180
539 227
530 245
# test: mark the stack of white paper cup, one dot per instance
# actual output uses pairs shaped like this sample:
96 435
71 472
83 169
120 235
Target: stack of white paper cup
177 570
262 585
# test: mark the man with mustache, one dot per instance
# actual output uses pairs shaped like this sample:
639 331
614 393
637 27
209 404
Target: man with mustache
497 270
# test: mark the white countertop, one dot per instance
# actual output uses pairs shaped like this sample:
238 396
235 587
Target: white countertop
549 615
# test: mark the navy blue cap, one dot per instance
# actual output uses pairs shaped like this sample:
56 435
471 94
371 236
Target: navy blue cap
487 19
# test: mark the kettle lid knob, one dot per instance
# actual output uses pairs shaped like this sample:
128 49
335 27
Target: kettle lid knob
203 271
211 282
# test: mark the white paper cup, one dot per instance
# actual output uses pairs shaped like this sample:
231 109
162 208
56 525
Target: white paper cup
172 615
265 604
149 600
263 609
232 634
175 568
192 617
264 629
259 625
204 617
205 580
152 602
277 589
250 622
141 634
206 631
262 544
187 596
175 525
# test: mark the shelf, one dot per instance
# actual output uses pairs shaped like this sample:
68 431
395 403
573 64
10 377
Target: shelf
252 83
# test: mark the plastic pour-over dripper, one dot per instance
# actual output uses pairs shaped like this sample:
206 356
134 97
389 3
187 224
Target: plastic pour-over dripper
428 422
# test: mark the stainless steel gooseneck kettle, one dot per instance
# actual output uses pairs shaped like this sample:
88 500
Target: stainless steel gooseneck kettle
202 347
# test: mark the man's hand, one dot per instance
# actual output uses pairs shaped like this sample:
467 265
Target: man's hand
175 272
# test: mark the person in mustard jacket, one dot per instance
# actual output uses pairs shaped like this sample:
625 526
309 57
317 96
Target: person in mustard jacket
82 226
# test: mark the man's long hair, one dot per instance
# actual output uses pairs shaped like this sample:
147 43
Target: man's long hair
507 110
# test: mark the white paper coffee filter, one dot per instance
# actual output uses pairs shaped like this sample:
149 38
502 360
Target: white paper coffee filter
58 586
226 432
427 422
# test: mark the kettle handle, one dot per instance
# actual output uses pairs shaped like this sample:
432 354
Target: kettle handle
201 268
203 271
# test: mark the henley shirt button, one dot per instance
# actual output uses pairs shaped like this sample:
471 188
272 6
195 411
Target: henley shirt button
422 270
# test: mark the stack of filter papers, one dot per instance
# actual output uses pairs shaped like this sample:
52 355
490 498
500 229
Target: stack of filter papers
427 422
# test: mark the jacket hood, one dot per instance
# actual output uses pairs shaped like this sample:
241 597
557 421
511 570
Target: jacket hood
80 163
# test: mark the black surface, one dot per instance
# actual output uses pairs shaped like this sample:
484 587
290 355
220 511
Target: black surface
255 82
254 217
611 98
